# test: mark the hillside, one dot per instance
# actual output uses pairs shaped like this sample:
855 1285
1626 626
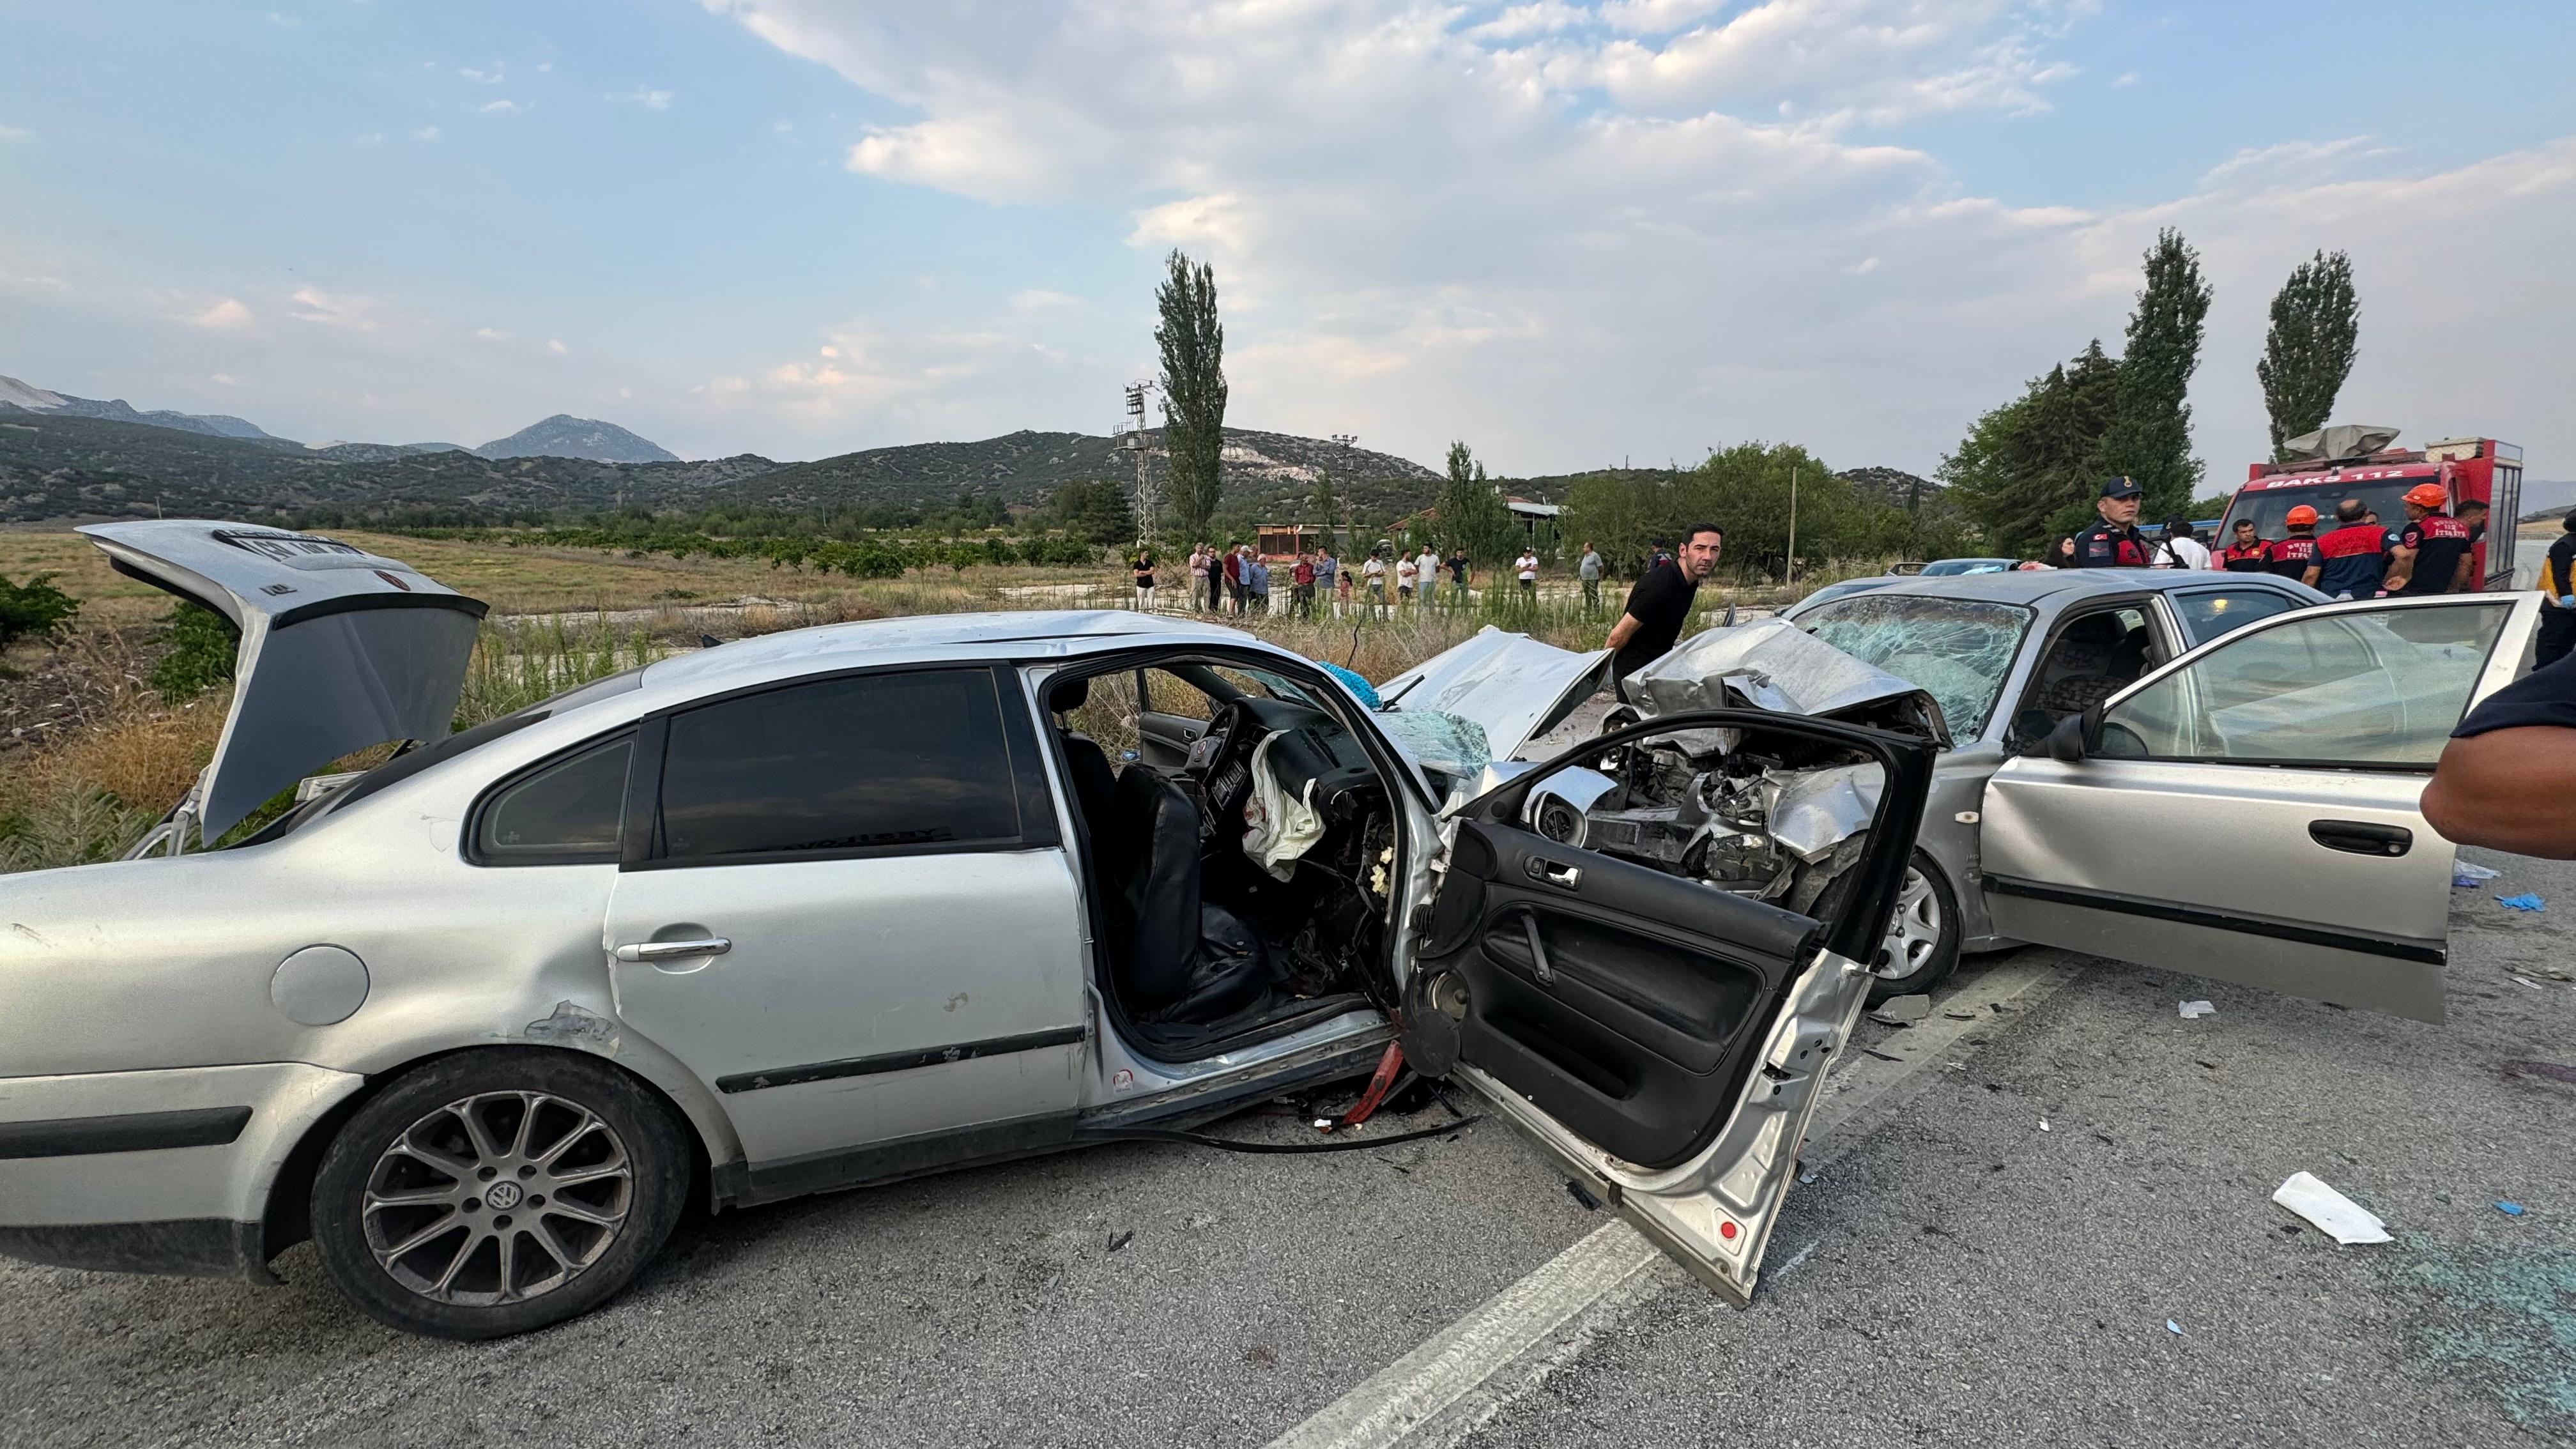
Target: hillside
218 425
55 466
566 436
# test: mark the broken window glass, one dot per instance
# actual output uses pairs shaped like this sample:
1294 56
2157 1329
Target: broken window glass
1956 650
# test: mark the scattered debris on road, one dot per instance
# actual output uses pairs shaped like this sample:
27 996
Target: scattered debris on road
2546 1071
2043 1124
2195 1010
2173 1327
2524 902
2465 876
1902 1010
2342 1219
2509 1208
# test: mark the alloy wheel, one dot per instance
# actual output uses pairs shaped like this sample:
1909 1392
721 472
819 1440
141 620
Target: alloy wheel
497 1198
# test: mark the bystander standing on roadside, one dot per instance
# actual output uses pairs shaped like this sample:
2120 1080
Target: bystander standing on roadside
1458 575
2432 553
2180 548
1426 572
1660 603
1342 587
1199 576
1326 567
1143 567
1407 573
1301 587
2351 557
1233 579
2295 556
1373 580
1525 569
1256 583
1588 569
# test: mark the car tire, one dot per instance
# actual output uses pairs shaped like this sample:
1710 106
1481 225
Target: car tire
1922 944
407 1204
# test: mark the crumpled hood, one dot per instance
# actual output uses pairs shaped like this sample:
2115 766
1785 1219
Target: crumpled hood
1773 664
1510 685
340 648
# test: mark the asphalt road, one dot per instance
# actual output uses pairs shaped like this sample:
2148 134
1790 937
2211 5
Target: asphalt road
1954 1274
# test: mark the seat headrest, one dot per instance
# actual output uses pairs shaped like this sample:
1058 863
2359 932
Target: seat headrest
1068 696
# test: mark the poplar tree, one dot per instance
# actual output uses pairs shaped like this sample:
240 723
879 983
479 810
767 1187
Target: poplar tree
2150 434
2309 349
1193 348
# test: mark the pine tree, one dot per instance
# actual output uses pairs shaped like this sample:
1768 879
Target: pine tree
2150 434
1193 348
2308 352
2028 471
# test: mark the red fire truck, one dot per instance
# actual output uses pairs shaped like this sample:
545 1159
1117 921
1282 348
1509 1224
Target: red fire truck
2479 469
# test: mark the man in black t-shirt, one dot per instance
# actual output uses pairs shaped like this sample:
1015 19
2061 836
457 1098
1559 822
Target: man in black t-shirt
1660 602
2507 775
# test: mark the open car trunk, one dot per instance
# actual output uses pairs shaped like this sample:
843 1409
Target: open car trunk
340 648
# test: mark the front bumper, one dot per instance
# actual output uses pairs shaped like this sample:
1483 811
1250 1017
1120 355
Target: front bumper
154 1172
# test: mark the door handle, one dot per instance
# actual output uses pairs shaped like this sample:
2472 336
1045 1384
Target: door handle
672 950
1555 873
2361 837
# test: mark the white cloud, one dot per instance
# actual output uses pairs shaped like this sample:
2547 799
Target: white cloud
1035 300
490 77
649 99
227 315
16 133
901 381
283 22
2126 79
491 334
556 347
425 133
2293 163
369 138
338 309
225 379
499 108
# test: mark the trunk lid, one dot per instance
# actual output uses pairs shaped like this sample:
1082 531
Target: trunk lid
340 648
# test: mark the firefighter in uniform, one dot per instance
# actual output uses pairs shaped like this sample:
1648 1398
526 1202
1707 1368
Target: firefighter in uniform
2245 554
2432 553
2113 543
2350 557
2295 557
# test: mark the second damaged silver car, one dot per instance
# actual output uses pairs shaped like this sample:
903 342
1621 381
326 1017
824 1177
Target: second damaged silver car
2214 773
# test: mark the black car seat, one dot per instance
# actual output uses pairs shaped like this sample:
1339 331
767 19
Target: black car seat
1178 958
1094 781
2078 669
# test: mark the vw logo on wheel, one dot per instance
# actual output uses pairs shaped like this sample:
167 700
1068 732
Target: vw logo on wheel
502 1196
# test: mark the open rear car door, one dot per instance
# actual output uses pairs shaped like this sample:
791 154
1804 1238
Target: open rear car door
2249 812
1663 1039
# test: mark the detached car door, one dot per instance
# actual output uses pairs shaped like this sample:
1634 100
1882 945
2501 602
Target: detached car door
1664 1040
2249 812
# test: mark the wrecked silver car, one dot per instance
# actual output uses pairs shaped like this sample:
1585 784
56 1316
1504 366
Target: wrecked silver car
2215 773
843 905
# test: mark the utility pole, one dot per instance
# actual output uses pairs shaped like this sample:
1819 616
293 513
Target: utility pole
1349 444
1149 493
1792 577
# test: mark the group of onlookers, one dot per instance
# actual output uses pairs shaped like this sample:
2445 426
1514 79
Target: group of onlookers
1236 579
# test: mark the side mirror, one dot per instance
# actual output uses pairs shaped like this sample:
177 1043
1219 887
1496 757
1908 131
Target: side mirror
2066 741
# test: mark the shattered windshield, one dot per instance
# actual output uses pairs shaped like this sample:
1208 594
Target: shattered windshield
1956 650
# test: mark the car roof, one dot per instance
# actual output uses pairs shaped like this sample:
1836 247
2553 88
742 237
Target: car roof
1015 634
2066 585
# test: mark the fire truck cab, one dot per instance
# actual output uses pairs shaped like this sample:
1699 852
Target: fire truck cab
2372 470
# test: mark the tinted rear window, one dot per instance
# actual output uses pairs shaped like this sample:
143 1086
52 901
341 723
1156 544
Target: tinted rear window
871 762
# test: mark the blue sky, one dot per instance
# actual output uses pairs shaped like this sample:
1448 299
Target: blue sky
1566 233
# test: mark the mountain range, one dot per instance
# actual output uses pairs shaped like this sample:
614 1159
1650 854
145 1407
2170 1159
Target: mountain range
65 457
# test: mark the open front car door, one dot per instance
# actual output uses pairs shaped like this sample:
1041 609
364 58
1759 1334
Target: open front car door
1666 1040
2249 812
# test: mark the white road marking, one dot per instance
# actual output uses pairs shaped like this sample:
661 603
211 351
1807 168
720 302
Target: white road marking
1611 1267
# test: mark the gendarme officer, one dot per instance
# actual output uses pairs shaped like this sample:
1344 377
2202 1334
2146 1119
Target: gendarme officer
2113 543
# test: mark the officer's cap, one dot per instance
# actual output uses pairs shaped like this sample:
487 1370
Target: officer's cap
2121 488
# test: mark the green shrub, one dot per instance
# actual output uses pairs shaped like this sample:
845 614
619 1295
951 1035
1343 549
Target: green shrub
35 607
202 645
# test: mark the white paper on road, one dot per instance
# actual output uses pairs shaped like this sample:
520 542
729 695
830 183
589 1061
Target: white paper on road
2191 1010
2346 1221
